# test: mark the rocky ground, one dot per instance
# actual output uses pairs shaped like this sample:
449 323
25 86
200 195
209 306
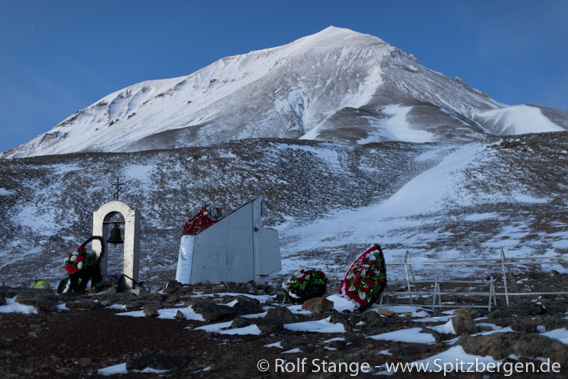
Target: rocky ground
78 335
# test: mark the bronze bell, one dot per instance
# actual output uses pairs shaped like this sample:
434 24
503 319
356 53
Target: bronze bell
115 237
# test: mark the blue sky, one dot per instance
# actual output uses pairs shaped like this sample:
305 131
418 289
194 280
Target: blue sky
59 56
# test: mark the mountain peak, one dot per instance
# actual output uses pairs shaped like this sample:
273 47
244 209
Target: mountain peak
334 32
333 35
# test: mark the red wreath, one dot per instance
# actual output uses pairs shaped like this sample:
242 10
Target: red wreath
366 278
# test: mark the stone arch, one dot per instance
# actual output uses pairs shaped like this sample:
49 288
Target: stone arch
131 247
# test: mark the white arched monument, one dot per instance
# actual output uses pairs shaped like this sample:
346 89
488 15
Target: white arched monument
101 220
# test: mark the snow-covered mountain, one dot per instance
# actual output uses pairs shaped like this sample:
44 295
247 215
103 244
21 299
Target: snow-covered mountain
350 141
336 85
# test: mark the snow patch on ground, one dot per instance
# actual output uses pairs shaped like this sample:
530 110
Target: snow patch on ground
12 306
320 326
341 303
169 313
411 335
559 334
121 369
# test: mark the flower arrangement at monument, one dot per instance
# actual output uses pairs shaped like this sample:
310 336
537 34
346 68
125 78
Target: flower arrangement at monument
366 278
82 266
305 284
79 260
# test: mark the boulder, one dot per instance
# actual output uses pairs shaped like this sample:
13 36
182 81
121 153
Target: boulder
247 305
84 304
437 336
524 326
252 288
239 322
386 313
213 312
107 298
151 310
373 321
172 286
282 314
42 299
463 322
317 305
134 304
269 325
341 318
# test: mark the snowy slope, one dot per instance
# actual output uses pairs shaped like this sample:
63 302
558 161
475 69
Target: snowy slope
479 197
520 119
328 201
336 85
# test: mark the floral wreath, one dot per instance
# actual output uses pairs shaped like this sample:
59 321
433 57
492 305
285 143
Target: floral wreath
366 278
79 260
305 284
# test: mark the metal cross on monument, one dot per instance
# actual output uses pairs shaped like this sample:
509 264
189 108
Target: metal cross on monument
118 188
